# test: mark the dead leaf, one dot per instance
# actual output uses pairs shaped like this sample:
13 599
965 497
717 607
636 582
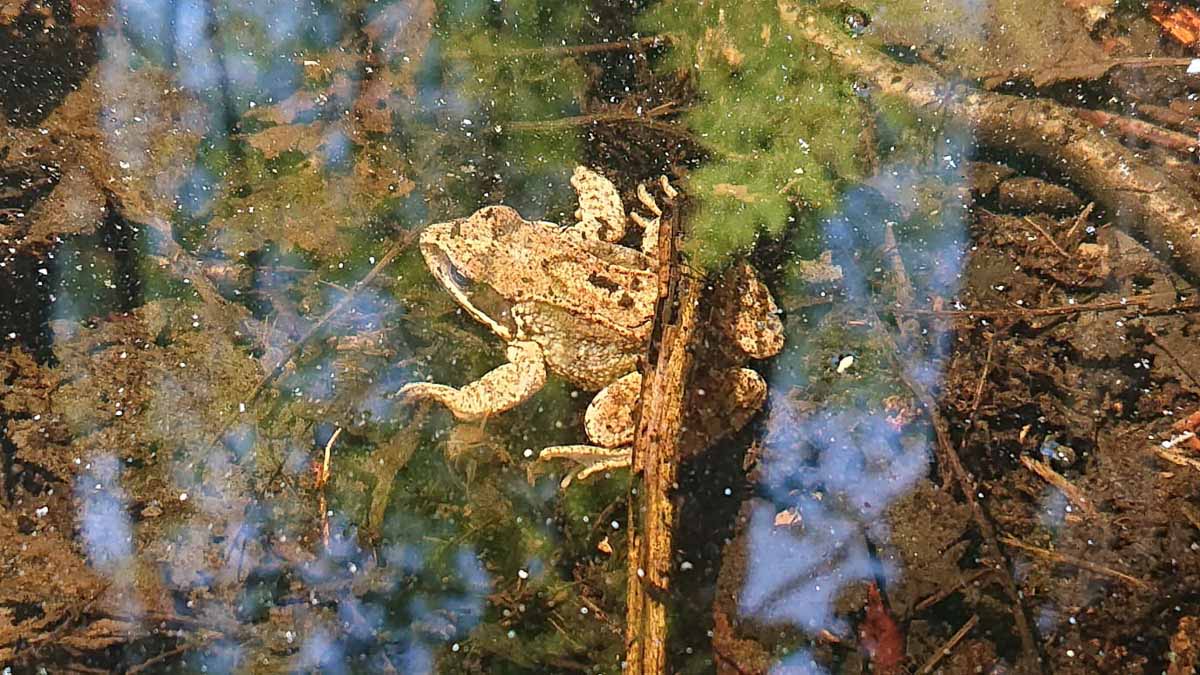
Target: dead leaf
1181 23
738 192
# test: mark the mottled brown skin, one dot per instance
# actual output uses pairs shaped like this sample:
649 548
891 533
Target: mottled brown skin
573 302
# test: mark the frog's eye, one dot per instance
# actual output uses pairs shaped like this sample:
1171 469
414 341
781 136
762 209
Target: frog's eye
458 278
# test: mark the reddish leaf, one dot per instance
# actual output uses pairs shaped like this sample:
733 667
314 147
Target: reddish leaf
1181 23
880 636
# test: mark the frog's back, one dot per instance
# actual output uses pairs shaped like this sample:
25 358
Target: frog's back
587 353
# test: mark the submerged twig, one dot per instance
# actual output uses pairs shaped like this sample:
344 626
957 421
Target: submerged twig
1142 130
1064 559
1116 176
645 118
1042 231
659 428
396 249
1108 306
579 50
945 649
1069 490
1088 71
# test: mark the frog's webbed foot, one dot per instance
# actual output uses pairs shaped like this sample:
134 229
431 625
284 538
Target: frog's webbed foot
609 424
504 388
651 225
600 215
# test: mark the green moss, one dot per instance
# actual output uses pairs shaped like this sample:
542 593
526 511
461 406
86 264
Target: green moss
781 123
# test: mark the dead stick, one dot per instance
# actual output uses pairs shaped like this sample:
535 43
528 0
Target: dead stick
655 460
1072 493
387 258
1114 305
1165 115
1141 130
1130 188
1088 565
600 47
1087 70
1042 231
945 649
951 590
646 118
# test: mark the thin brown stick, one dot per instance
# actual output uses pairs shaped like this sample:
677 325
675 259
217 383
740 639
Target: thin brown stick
599 47
1141 130
159 659
1176 457
945 649
1078 71
646 119
1109 306
1081 219
396 249
1042 231
951 590
1072 493
1063 559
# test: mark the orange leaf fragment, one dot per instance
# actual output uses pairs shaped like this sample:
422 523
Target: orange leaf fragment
1181 23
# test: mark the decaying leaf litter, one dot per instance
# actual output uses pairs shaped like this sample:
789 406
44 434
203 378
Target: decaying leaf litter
978 437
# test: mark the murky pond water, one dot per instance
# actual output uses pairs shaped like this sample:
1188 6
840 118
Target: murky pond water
621 335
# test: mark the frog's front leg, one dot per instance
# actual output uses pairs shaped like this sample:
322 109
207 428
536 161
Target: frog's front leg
502 389
609 423
600 214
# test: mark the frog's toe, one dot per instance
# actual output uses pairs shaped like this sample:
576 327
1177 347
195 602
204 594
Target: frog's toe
590 458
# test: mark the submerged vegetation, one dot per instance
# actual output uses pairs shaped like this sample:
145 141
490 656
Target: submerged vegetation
781 124
212 239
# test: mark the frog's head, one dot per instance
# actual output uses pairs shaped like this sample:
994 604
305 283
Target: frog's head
463 257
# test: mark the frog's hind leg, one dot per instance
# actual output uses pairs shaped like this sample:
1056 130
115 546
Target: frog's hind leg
502 389
609 422
600 214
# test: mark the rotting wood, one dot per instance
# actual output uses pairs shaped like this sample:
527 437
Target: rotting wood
1141 130
655 458
1134 192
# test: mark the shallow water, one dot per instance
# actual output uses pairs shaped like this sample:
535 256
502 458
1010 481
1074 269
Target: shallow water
972 452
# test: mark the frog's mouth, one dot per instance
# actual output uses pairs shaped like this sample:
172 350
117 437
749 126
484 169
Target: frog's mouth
480 300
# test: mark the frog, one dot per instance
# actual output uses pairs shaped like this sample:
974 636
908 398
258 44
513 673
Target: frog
577 303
